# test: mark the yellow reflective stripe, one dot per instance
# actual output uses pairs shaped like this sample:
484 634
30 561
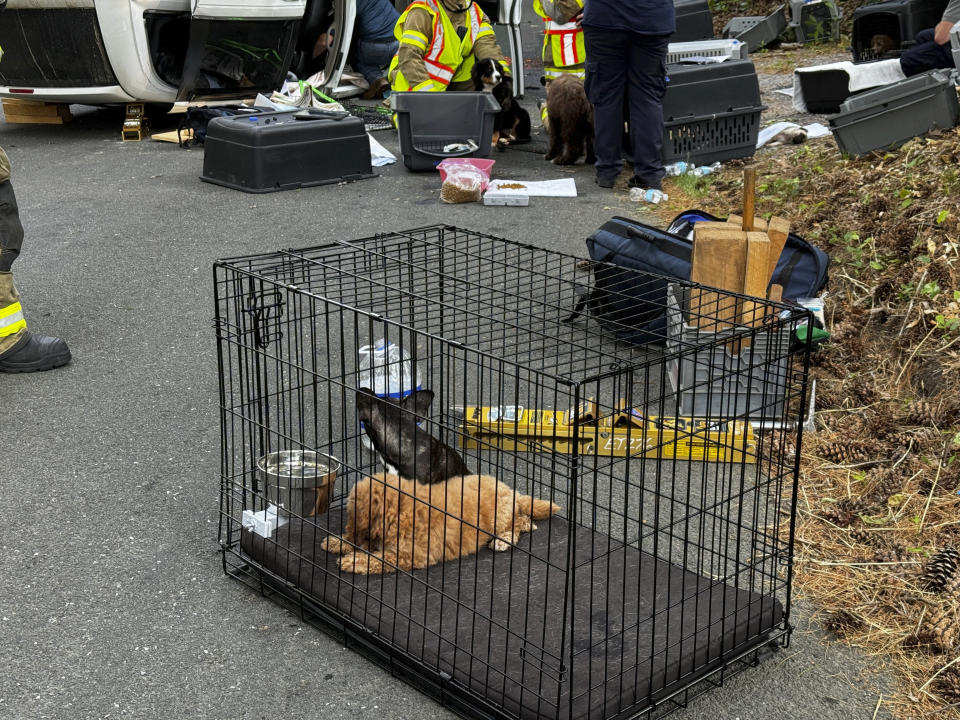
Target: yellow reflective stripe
412 37
557 72
484 31
11 319
428 85
560 27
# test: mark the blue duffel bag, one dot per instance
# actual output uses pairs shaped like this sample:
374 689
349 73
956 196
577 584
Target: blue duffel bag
634 263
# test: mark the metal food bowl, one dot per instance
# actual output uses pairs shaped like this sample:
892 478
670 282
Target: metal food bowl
299 481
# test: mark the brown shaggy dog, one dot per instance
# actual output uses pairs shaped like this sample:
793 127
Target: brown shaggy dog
394 523
570 117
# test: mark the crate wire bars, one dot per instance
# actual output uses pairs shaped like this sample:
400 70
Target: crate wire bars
669 565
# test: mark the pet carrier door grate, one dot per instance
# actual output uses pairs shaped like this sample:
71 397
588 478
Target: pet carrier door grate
669 561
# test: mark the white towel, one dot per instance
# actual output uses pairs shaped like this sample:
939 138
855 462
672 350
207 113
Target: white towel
859 77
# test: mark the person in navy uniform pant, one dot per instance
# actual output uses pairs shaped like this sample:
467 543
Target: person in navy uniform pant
626 43
931 48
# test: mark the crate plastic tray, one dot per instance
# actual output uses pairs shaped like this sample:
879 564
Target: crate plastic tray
428 122
710 380
729 48
757 31
889 116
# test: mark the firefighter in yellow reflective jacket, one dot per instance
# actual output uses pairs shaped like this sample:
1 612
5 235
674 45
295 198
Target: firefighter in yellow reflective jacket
563 49
439 42
20 350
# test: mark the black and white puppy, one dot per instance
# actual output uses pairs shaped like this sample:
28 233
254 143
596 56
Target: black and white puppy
512 124
404 447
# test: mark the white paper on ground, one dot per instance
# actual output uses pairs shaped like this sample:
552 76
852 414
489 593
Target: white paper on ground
379 155
814 130
563 187
785 91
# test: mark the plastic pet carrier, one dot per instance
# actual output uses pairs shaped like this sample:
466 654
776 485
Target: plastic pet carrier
885 28
694 20
660 562
815 20
285 150
889 116
438 125
711 112
757 31
692 51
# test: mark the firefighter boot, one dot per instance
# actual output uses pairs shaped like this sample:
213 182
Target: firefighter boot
21 350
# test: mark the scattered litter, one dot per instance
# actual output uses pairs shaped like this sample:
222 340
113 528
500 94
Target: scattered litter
563 187
703 59
650 195
788 91
682 168
788 132
379 155
468 146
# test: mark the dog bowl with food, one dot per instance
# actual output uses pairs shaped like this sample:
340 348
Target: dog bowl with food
299 481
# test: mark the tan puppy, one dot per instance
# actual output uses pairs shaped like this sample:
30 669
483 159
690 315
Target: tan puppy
394 523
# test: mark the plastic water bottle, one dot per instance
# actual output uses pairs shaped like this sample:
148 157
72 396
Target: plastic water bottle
677 168
386 370
705 169
650 195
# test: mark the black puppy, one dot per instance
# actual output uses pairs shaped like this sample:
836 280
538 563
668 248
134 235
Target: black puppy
404 447
512 123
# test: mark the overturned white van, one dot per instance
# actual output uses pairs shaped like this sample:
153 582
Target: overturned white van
162 51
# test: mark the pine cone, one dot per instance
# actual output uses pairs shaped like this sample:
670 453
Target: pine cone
940 571
838 515
889 483
947 684
845 453
892 554
861 536
864 391
921 413
940 630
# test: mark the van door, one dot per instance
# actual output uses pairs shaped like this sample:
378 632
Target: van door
238 48
344 18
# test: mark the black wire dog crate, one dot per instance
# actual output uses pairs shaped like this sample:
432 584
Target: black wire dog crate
668 564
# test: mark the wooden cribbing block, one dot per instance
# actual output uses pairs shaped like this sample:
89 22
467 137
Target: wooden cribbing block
33 111
758 223
777 230
756 278
717 261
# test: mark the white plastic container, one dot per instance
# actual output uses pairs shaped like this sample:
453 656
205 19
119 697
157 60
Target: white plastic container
388 371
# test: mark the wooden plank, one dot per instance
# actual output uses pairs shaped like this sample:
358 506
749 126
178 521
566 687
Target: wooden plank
717 261
749 193
777 230
40 109
758 223
756 278
171 135
36 119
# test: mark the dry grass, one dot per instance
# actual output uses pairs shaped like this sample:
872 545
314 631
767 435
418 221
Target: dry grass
879 481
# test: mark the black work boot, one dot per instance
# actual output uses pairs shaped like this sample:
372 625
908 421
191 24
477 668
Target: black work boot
33 353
